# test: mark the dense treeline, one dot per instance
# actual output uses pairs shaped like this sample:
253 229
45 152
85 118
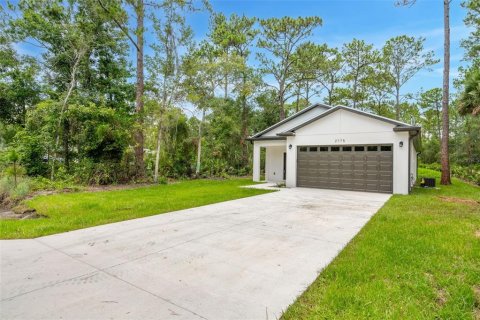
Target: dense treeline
80 110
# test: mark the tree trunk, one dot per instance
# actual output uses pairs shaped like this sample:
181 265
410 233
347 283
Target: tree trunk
225 76
225 86
78 57
24 115
157 156
66 144
307 94
199 149
281 102
15 173
244 126
330 95
445 179
138 135
297 101
397 103
354 95
439 123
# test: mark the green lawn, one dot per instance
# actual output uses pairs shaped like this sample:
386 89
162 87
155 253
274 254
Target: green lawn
418 258
70 211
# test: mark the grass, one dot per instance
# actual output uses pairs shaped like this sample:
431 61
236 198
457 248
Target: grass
71 211
417 258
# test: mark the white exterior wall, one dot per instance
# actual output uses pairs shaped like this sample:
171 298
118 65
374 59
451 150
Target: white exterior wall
296 121
274 164
347 128
276 146
413 163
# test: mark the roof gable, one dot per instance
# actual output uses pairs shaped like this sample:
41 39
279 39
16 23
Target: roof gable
294 120
399 126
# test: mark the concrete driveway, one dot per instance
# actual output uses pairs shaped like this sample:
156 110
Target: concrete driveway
242 259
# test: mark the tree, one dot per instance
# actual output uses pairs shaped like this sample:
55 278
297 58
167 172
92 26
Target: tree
280 37
359 58
378 84
19 88
309 61
119 16
164 66
115 12
64 33
83 60
331 73
202 78
431 103
472 20
13 157
469 100
445 177
234 36
404 57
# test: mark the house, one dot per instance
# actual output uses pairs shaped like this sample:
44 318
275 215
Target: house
339 148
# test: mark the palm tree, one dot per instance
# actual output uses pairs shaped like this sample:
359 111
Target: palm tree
469 101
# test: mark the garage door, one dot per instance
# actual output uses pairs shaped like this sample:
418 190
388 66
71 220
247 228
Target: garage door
357 167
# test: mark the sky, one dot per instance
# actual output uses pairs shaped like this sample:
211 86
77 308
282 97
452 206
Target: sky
374 21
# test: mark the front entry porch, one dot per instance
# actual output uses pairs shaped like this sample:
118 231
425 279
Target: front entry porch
275 160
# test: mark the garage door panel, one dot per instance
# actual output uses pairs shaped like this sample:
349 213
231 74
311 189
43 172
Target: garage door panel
346 170
385 167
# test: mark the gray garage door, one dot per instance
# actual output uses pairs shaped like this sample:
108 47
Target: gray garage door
357 167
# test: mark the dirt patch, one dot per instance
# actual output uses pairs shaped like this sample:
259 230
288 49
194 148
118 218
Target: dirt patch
477 234
476 308
441 297
19 213
117 187
90 189
442 294
460 200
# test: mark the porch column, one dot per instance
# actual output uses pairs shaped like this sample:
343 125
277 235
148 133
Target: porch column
256 162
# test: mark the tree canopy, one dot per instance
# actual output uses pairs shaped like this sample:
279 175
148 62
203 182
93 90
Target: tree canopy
98 103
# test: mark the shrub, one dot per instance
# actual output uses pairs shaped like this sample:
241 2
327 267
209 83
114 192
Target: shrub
470 173
6 185
467 172
162 180
9 193
41 183
21 191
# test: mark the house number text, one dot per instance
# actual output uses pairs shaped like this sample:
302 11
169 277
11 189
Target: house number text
340 140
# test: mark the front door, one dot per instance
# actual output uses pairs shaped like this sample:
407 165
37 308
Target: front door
284 166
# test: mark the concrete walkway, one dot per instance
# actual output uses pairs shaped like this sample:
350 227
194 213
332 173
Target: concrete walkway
242 259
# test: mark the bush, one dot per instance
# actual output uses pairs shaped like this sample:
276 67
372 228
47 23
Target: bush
32 150
9 193
42 183
21 191
6 186
162 180
469 172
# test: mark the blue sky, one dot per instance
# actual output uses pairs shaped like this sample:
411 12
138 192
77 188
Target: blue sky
372 21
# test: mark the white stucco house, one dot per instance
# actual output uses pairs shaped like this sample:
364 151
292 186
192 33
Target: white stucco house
340 148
